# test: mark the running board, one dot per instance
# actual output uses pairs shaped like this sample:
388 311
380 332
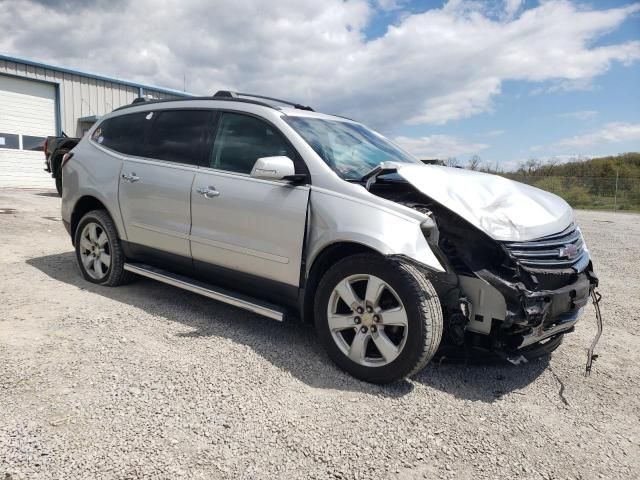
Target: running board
201 288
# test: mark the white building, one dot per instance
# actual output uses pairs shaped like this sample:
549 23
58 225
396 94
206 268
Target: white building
38 100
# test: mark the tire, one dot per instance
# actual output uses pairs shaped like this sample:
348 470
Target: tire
59 183
408 327
98 250
57 169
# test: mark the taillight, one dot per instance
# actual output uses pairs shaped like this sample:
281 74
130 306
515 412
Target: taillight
44 147
65 158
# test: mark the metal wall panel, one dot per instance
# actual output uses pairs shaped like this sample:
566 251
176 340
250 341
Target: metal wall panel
79 95
27 116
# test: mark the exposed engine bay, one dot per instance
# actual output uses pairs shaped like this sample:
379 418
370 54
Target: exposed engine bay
512 298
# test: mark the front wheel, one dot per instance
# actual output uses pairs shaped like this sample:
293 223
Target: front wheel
379 319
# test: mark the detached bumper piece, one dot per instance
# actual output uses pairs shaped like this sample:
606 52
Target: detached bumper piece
596 297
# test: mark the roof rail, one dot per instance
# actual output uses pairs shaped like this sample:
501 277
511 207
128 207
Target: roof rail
228 94
139 101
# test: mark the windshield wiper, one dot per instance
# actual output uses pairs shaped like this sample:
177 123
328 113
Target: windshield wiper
383 167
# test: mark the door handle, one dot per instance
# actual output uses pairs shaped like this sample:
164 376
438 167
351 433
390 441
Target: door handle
130 177
208 192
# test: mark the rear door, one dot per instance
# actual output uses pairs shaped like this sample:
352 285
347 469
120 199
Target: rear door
244 224
155 185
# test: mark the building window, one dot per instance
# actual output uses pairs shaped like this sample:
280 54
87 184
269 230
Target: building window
35 144
9 140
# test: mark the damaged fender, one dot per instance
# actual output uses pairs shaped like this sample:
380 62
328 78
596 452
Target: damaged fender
338 218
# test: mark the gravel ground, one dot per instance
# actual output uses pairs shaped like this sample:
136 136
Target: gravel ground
148 381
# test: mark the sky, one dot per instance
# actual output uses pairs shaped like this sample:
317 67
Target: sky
507 80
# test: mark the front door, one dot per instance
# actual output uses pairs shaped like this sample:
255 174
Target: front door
245 224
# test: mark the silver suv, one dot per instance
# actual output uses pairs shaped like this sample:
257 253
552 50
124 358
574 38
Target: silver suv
277 209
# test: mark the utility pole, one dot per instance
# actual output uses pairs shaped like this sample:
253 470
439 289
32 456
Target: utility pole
615 195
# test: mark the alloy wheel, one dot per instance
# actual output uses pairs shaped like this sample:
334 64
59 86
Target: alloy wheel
367 320
95 251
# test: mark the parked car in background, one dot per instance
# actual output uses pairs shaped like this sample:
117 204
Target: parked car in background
54 149
272 207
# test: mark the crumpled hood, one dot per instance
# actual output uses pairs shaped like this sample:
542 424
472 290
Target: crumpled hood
504 209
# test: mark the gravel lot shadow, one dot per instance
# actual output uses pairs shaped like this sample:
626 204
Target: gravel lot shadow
481 380
291 347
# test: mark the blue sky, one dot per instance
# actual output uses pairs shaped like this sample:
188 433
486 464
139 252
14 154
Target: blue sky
527 119
504 79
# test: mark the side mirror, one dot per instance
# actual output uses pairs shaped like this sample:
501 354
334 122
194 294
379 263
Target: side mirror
273 168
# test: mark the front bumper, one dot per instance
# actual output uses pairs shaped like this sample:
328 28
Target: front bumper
523 317
563 324
550 312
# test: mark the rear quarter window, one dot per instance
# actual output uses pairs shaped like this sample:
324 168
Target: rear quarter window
124 134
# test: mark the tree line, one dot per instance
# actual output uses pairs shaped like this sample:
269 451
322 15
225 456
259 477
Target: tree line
611 182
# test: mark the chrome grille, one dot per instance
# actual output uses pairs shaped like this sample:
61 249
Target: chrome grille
561 250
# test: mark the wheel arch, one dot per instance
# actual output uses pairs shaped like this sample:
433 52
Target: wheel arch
63 146
321 262
84 205
56 160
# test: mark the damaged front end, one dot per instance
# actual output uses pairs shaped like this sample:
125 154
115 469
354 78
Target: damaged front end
516 299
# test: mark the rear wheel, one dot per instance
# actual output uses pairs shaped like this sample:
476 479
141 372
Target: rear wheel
98 250
379 319
59 183
57 169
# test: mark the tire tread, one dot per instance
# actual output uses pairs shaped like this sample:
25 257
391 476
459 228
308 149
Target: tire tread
118 275
421 293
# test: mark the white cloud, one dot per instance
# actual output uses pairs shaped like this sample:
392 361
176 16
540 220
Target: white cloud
611 133
494 133
439 146
511 7
390 5
579 115
429 68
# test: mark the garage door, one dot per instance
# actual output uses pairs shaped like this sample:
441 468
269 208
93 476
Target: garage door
27 117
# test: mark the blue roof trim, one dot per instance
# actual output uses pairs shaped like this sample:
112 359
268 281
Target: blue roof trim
72 71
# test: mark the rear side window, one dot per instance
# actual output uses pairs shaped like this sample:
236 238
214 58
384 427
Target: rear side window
124 134
179 136
242 139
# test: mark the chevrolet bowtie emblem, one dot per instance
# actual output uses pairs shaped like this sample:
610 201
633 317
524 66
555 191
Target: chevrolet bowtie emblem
568 251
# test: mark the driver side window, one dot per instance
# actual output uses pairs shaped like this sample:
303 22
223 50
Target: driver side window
242 139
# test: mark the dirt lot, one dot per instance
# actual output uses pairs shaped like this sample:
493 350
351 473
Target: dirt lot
148 381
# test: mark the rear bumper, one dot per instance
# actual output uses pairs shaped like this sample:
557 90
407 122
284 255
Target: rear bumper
67 227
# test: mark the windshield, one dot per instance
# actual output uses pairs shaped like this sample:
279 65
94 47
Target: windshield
350 149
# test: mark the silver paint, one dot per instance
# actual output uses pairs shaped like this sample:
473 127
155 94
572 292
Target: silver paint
258 226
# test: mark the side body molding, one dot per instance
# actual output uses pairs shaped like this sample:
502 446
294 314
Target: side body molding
336 217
